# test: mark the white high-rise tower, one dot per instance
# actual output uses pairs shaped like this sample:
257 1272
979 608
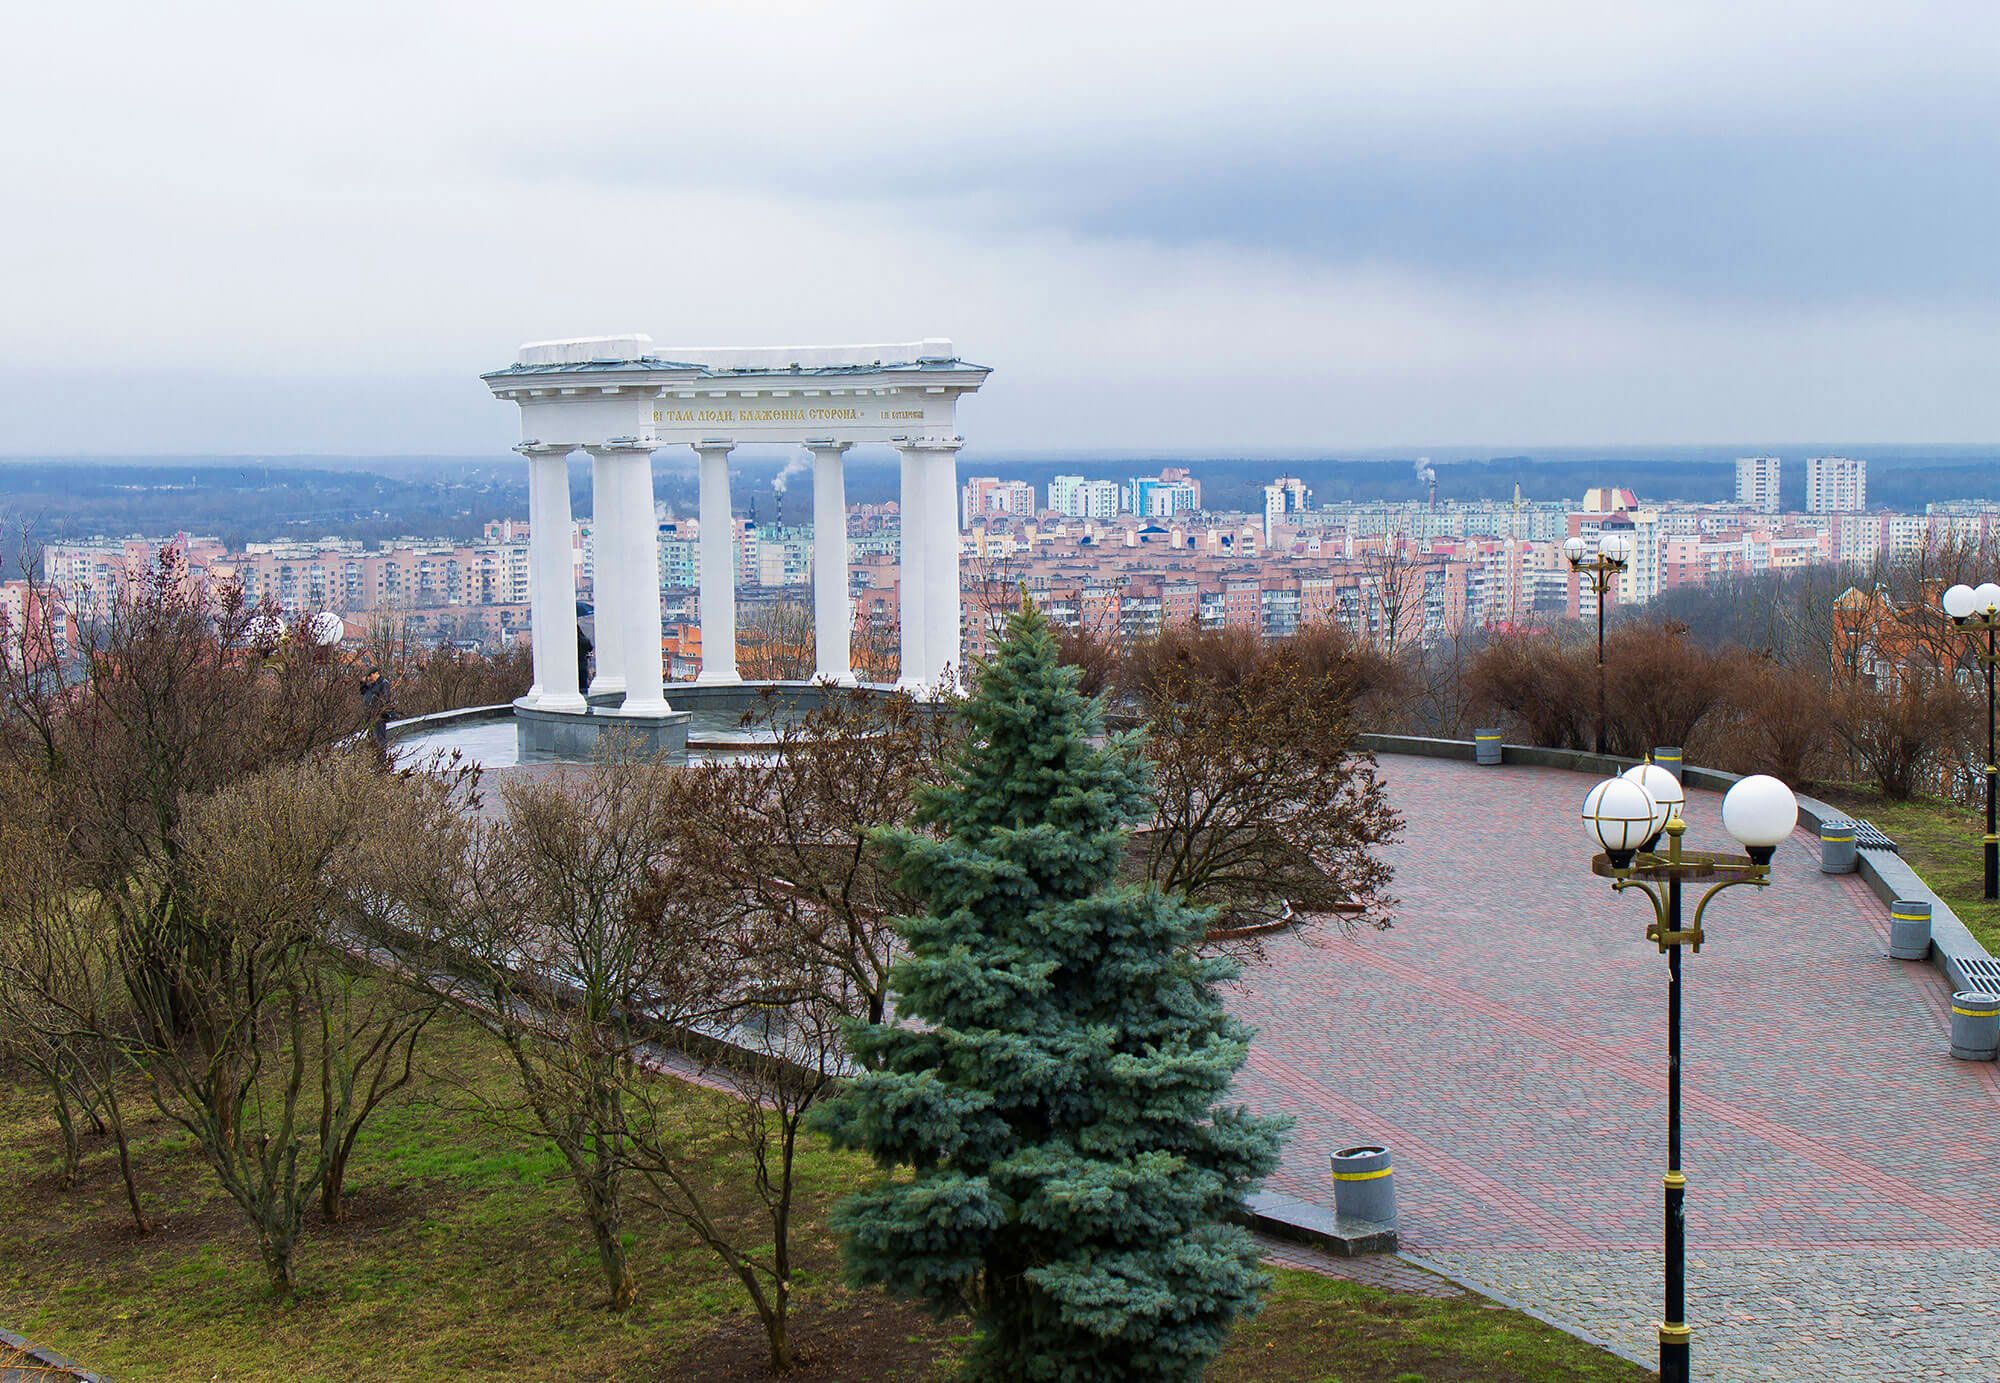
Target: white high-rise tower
1757 483
1836 485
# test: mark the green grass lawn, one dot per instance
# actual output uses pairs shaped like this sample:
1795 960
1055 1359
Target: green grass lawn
1941 841
463 1258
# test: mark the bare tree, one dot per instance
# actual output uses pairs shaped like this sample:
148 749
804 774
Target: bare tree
785 1056
60 991
1427 692
188 688
875 652
563 928
1264 803
777 642
268 863
1395 582
992 582
786 838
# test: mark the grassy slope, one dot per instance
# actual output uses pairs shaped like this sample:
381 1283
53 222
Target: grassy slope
462 1258
1941 841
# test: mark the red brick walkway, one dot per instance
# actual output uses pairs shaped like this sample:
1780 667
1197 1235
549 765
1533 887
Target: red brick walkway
1506 1040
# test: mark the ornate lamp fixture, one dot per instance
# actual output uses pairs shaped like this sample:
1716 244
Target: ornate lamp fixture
1613 555
1626 817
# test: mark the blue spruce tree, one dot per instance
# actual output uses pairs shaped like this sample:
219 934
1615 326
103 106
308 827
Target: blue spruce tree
1052 1071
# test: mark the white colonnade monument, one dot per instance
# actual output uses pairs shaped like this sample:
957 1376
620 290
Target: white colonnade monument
621 399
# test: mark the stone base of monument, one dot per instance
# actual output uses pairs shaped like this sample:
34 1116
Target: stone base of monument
577 736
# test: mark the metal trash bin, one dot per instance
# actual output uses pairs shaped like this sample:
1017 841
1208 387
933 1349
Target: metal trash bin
1909 929
1975 1026
1836 846
1668 756
1364 1186
1486 746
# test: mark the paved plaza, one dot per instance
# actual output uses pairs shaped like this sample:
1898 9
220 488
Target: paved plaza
1506 1039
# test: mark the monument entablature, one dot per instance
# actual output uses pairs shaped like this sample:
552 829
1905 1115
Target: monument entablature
588 391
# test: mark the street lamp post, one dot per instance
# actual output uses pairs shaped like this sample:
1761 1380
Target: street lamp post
1977 611
1614 550
1627 816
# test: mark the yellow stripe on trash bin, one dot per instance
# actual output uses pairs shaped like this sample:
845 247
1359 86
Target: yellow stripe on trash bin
1910 916
1975 1012
1370 1176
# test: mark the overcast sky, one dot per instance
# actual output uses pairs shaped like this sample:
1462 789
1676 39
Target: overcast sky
294 228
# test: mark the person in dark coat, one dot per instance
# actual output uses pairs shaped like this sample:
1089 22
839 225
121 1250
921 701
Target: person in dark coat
376 702
584 647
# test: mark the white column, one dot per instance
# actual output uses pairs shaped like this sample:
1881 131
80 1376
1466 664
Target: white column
943 640
833 616
718 566
639 584
607 568
551 580
914 574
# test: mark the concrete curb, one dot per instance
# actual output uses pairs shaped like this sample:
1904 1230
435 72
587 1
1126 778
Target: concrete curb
45 1359
437 720
1884 871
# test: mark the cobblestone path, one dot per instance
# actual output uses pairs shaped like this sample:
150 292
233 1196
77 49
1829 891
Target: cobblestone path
1506 1039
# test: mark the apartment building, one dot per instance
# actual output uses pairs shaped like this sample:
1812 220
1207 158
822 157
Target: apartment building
1077 498
1757 483
1173 491
1836 485
985 496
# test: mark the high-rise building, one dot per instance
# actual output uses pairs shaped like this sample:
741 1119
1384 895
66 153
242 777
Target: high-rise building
1077 498
1836 485
1757 483
986 495
1172 491
1285 495
1290 493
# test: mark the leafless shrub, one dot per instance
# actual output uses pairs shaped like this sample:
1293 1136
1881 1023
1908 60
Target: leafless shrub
564 928
1902 737
235 1030
1263 802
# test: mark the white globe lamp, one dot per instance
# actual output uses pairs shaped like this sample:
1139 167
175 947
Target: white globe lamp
1986 598
1621 816
1663 788
1576 548
1958 601
327 629
1760 812
1616 546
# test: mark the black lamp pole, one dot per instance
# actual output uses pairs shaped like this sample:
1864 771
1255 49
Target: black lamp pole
1659 876
1992 773
1675 1335
1988 623
1600 667
1598 570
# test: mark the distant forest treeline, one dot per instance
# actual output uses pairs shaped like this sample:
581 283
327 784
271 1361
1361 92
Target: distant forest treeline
388 497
